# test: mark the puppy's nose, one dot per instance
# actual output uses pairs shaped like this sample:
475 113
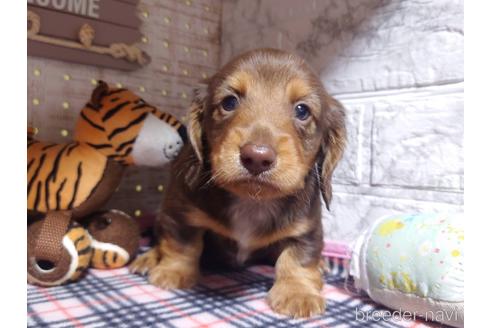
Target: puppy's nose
257 158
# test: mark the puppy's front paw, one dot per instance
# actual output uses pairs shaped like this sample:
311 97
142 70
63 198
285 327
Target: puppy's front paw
167 278
293 302
145 262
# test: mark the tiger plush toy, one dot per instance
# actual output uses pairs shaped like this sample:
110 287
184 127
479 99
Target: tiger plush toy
68 183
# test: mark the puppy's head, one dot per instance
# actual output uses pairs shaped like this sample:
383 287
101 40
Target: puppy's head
263 122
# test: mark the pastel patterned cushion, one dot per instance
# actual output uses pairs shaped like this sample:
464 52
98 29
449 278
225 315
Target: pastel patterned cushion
414 263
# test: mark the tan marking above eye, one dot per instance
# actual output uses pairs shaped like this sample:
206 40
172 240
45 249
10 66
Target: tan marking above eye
297 89
240 82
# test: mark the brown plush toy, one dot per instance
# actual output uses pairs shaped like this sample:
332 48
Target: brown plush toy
69 183
114 238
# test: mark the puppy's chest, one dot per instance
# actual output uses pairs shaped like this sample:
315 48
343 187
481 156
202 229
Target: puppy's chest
249 221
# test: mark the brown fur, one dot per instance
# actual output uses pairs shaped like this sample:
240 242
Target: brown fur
296 290
171 264
274 217
199 219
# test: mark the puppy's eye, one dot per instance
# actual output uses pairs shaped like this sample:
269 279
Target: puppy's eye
229 103
302 112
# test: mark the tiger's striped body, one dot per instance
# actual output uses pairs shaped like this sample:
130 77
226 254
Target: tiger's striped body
61 176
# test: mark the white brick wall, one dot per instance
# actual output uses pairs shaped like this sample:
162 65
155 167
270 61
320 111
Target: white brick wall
397 66
404 153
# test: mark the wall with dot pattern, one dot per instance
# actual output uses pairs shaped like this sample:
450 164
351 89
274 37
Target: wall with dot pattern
183 39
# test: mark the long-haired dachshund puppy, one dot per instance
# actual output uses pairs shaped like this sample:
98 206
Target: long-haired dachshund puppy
265 138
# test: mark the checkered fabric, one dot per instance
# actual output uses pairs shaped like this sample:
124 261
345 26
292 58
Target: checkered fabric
116 298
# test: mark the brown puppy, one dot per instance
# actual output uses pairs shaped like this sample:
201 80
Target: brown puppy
265 139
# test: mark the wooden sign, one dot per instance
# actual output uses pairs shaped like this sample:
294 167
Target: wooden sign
94 32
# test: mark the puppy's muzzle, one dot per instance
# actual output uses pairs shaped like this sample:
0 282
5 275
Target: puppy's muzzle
257 158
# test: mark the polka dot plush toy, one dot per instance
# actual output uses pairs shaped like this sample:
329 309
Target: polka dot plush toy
414 263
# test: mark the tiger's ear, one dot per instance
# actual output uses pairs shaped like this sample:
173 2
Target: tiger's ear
195 120
332 144
99 92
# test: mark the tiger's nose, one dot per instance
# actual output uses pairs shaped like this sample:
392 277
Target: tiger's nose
257 158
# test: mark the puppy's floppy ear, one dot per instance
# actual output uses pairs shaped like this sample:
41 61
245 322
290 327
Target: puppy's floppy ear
195 120
332 144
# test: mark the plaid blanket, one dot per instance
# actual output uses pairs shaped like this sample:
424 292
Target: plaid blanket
116 298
